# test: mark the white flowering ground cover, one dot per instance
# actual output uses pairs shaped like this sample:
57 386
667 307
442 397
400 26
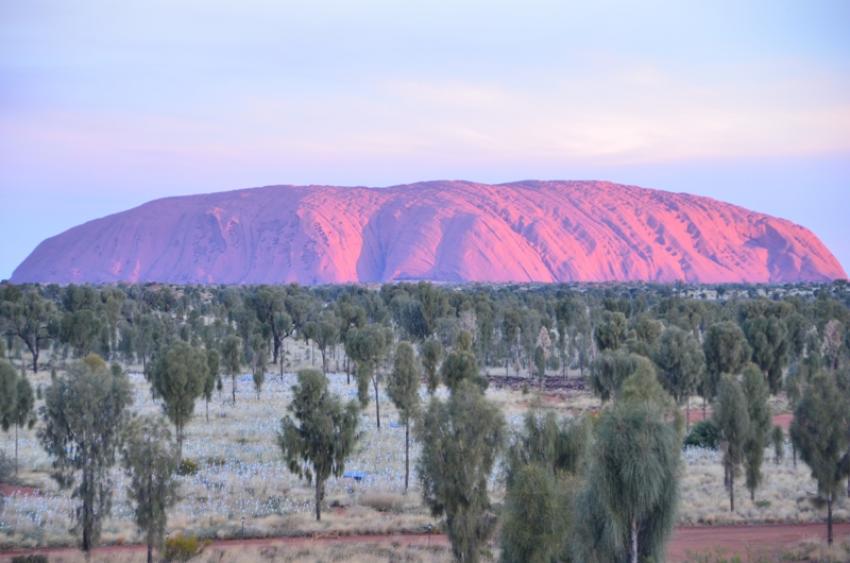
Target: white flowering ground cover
242 488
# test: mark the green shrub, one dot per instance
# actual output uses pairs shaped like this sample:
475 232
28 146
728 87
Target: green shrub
187 467
216 461
182 548
703 434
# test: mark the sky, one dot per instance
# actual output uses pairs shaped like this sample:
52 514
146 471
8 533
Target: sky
105 105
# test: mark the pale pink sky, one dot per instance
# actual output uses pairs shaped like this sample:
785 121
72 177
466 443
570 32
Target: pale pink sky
104 105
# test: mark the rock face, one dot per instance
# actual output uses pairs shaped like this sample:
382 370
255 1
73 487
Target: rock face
442 231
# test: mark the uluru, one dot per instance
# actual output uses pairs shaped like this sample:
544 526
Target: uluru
443 231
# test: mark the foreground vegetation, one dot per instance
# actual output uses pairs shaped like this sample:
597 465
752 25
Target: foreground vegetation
557 473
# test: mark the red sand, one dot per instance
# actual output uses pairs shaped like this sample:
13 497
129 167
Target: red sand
441 231
760 539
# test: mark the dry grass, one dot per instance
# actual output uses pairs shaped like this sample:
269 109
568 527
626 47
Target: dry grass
818 551
349 552
243 489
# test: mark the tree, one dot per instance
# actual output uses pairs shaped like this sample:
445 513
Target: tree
269 306
368 346
542 465
8 399
819 431
537 515
540 364
833 342
628 506
213 377
231 352
431 354
511 326
150 462
178 376
403 389
726 351
317 442
647 332
84 413
259 365
611 332
461 439
32 319
5 473
733 420
460 364
611 368
756 393
681 363
768 338
23 415
81 330
777 437
326 335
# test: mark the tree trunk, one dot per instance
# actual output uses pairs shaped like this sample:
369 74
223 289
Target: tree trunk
233 386
406 454
633 547
732 490
208 409
16 449
829 519
35 354
318 500
275 347
87 495
150 515
377 403
179 432
688 414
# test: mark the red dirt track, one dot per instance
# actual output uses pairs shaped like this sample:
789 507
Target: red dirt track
767 540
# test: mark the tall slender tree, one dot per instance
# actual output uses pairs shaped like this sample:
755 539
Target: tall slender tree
24 414
320 434
403 389
213 378
756 392
431 355
150 461
231 355
726 351
681 365
8 398
733 420
820 433
461 439
368 347
32 318
177 376
84 414
628 507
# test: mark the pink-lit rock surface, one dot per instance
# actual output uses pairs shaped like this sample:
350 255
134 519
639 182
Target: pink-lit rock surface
442 231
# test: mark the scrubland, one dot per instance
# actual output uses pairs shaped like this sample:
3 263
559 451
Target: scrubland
242 489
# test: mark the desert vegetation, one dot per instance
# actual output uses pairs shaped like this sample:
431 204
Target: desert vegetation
526 423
